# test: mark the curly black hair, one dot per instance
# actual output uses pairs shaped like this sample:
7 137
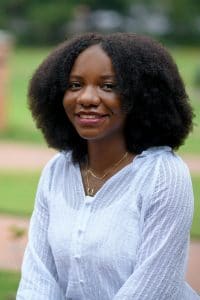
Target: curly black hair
148 81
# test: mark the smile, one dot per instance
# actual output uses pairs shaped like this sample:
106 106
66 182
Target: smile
90 119
90 116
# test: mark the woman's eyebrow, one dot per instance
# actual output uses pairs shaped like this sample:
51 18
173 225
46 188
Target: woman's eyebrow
108 77
75 76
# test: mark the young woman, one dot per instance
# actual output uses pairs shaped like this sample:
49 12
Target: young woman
114 208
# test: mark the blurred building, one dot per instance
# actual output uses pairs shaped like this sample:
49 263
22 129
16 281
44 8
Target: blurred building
141 19
5 47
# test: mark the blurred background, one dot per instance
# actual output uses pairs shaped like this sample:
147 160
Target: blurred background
28 32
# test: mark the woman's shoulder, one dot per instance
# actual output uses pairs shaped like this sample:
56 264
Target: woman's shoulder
54 170
55 166
163 157
58 160
167 181
161 166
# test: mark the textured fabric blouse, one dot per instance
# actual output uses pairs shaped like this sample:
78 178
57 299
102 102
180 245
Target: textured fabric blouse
128 242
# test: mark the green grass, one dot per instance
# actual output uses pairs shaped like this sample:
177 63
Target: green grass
25 60
195 231
22 64
8 282
188 59
17 193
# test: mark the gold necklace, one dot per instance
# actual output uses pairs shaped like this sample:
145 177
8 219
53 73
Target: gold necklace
109 170
91 191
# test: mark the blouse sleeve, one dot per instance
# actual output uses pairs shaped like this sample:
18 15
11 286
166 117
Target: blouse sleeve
167 215
39 276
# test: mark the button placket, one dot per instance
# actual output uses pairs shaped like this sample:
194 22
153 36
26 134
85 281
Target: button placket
77 257
83 220
80 229
81 281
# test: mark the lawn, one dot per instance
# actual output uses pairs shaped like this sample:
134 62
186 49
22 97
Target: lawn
17 192
8 283
25 60
195 231
20 124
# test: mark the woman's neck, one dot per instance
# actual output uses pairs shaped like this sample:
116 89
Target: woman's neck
102 156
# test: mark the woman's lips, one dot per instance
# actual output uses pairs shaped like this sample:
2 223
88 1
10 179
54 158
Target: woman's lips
90 119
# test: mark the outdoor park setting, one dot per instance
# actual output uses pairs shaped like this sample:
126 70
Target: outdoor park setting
23 152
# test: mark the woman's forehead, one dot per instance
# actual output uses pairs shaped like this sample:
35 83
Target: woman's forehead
93 58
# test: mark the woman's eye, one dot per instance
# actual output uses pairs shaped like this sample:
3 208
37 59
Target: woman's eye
75 85
108 86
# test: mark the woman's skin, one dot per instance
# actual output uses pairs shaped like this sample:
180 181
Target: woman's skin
94 108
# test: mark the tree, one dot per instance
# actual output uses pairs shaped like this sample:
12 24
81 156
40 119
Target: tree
45 22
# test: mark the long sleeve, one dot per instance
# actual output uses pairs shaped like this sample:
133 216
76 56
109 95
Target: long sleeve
39 276
167 215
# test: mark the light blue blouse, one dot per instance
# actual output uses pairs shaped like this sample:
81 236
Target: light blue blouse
129 242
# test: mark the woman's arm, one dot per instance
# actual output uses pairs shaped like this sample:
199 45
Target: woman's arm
39 275
160 267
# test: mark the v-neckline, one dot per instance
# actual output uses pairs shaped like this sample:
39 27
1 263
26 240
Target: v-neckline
107 182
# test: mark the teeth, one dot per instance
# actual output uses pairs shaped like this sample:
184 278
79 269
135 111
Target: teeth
89 116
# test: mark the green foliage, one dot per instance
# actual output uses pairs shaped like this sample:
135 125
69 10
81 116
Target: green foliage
46 22
117 5
183 16
36 22
8 282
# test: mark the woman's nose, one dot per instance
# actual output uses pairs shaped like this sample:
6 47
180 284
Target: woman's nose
89 96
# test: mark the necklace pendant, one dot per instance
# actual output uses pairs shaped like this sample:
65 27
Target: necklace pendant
90 191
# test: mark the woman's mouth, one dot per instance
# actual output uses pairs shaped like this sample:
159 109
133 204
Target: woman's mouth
90 119
89 116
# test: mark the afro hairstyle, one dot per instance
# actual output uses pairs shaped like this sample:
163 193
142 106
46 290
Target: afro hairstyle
148 81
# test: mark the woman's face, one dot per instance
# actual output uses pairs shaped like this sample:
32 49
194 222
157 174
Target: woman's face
91 102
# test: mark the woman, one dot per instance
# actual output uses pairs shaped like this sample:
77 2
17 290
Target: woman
114 208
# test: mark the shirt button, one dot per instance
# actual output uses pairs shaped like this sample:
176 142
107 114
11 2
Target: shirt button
80 231
77 257
87 203
82 281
